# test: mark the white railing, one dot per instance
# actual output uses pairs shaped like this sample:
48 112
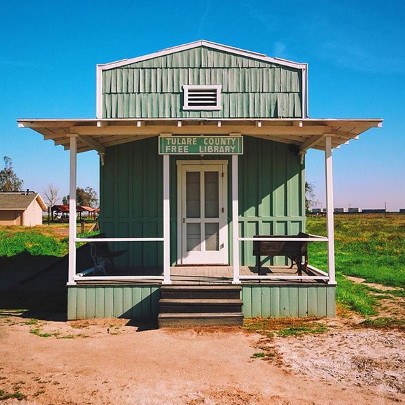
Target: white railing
80 276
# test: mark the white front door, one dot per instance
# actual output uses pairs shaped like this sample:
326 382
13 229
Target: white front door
202 212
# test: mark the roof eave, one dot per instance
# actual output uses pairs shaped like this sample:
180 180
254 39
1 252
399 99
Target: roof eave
98 134
208 44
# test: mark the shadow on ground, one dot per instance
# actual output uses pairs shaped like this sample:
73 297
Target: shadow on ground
36 285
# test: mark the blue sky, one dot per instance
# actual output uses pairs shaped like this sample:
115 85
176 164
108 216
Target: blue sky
355 51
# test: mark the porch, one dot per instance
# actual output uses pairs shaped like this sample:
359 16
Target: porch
280 293
205 275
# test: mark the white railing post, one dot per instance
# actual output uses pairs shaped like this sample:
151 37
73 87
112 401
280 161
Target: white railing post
72 211
235 220
329 209
166 219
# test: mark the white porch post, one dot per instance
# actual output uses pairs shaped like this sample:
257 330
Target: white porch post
72 211
329 209
235 220
166 219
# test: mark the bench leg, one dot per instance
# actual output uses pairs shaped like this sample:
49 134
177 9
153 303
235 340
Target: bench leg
258 265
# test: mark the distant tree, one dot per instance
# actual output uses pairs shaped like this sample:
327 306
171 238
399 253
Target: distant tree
87 196
9 181
51 197
309 196
84 196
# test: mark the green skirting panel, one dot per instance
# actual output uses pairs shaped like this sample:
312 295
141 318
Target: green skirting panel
293 300
139 302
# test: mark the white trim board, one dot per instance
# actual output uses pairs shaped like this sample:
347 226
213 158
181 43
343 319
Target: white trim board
213 45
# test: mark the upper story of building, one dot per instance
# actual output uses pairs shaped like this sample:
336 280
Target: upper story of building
202 79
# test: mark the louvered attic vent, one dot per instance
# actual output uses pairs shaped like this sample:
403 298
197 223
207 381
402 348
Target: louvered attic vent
202 97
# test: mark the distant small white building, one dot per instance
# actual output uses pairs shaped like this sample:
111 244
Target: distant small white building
22 208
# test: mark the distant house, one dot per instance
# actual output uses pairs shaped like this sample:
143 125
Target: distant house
21 208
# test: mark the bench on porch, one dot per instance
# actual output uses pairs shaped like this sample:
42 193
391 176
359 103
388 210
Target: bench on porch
296 251
103 258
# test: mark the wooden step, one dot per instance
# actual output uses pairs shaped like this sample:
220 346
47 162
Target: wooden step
168 320
192 305
203 305
200 291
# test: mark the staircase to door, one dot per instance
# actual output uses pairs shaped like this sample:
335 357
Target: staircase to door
200 305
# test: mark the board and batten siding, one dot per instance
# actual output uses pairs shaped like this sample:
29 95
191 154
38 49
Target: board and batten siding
141 302
288 300
250 88
271 193
271 197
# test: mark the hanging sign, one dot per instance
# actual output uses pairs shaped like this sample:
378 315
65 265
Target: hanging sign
200 145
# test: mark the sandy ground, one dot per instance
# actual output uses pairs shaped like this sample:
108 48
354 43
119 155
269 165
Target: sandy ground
111 361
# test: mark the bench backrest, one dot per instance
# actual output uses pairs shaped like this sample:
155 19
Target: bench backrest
281 248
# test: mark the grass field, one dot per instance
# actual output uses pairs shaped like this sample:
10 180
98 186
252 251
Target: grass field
45 240
371 247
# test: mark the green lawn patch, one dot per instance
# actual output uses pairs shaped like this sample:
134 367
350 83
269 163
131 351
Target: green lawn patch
271 327
309 329
32 242
355 297
384 323
371 247
4 395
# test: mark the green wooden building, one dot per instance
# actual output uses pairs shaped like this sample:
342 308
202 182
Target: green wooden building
202 149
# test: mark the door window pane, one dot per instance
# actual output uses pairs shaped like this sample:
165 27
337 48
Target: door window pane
193 195
211 180
193 237
212 236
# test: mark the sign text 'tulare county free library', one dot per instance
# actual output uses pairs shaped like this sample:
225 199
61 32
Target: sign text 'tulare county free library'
200 145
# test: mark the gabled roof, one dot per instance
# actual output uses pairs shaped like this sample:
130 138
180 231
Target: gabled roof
208 44
100 133
19 200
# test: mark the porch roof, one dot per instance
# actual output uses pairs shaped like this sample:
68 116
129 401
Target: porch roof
97 134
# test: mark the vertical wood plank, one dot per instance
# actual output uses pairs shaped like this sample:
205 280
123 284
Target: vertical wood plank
275 301
109 302
256 300
100 302
322 301
303 302
127 301
331 301
91 302
72 303
266 301
145 302
312 301
81 303
284 301
137 298
247 300
118 301
293 301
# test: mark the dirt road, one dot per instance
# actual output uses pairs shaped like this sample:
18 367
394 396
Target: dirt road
109 362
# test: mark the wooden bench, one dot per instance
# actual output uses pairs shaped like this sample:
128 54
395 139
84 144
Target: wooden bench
296 251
